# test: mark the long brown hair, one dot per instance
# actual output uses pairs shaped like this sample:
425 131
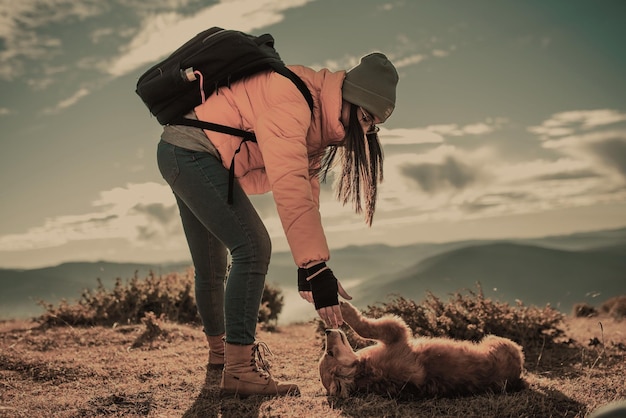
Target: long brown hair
361 167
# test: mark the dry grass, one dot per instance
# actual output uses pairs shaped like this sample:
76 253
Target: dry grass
158 369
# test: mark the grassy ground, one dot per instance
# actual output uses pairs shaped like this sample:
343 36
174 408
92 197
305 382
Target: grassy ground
114 372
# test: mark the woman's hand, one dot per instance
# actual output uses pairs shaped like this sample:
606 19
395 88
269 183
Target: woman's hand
304 287
318 285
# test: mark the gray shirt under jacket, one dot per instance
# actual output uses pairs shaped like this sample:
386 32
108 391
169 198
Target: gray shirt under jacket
188 137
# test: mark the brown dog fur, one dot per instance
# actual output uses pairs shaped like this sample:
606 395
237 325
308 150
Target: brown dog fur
398 363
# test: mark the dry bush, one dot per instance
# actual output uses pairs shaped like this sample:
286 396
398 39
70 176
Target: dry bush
272 304
154 330
615 307
471 316
584 310
170 297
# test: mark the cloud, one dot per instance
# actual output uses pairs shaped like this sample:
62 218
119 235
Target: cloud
605 151
440 53
30 42
612 151
568 175
164 214
428 181
584 136
401 54
451 184
434 177
22 39
411 136
434 134
448 183
70 101
407 61
478 128
132 213
408 51
98 34
162 33
568 123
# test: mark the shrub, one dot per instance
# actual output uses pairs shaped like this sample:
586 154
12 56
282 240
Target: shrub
153 330
584 310
615 306
169 297
471 316
272 304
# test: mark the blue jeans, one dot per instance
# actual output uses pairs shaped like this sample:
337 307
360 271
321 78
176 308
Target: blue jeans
213 228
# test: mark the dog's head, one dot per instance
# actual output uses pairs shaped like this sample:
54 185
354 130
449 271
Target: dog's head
338 365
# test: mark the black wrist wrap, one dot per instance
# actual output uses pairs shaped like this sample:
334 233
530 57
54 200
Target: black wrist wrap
305 273
324 287
314 269
303 283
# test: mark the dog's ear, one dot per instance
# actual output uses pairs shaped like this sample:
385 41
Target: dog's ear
333 388
335 383
327 376
339 388
344 388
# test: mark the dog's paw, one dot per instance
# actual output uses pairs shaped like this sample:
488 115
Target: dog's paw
349 312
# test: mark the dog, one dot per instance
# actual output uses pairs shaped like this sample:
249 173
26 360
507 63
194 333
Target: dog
425 367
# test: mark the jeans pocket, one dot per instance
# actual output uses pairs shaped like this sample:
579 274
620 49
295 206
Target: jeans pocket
167 162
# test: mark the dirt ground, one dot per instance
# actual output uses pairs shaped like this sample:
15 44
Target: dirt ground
92 372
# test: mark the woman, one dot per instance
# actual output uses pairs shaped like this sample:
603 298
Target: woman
295 147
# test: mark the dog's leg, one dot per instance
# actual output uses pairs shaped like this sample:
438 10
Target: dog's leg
387 329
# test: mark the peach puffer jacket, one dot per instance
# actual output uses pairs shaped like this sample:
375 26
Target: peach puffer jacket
289 138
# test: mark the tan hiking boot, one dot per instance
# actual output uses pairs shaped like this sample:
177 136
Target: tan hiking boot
216 352
243 376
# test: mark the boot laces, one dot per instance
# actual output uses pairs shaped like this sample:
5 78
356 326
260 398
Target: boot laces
260 352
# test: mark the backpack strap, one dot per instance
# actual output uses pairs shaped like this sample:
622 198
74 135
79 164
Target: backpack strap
281 68
286 72
245 135
210 126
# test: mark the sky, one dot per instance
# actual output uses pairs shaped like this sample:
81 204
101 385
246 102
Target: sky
510 119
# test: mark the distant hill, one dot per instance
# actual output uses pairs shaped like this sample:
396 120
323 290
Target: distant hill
360 262
509 271
560 270
582 240
22 289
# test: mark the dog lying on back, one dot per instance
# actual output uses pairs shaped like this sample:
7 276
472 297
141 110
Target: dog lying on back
398 363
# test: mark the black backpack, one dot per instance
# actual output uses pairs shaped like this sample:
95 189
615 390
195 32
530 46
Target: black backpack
213 58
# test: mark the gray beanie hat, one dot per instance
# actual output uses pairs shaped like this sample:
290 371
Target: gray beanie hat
372 85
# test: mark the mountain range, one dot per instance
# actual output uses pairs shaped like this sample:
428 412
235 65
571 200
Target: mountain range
560 270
